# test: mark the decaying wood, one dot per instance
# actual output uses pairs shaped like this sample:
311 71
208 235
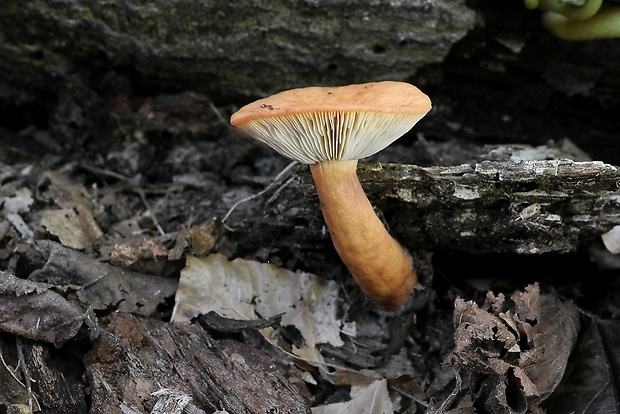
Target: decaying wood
58 386
524 207
224 46
35 379
216 375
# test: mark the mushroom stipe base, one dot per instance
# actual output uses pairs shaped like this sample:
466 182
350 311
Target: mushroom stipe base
378 263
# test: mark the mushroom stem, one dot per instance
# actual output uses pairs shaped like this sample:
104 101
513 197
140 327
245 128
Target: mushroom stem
380 265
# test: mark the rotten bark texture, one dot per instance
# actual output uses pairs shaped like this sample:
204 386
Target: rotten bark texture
243 46
524 207
34 378
184 360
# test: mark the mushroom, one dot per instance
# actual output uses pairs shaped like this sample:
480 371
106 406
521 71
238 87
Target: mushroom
330 128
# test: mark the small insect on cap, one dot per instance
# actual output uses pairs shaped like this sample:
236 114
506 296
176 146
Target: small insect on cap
315 124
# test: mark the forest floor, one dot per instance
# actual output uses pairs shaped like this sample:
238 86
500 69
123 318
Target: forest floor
111 228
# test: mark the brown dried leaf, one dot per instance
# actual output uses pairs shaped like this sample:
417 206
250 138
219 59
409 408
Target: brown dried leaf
73 223
140 253
100 285
591 384
203 238
30 310
553 328
516 352
153 255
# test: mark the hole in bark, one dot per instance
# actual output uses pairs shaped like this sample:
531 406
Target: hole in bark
301 222
37 55
378 49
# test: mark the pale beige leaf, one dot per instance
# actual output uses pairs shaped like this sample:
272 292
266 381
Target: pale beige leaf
73 229
244 289
370 398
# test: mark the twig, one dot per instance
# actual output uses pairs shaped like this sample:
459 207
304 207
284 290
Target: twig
450 398
284 173
279 190
20 225
139 190
109 173
432 153
410 396
24 369
96 331
150 211
217 113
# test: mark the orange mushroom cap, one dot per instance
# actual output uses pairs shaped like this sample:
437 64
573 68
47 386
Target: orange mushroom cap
315 124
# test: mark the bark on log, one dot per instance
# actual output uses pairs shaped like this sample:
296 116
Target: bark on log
34 378
243 46
184 361
507 80
524 207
